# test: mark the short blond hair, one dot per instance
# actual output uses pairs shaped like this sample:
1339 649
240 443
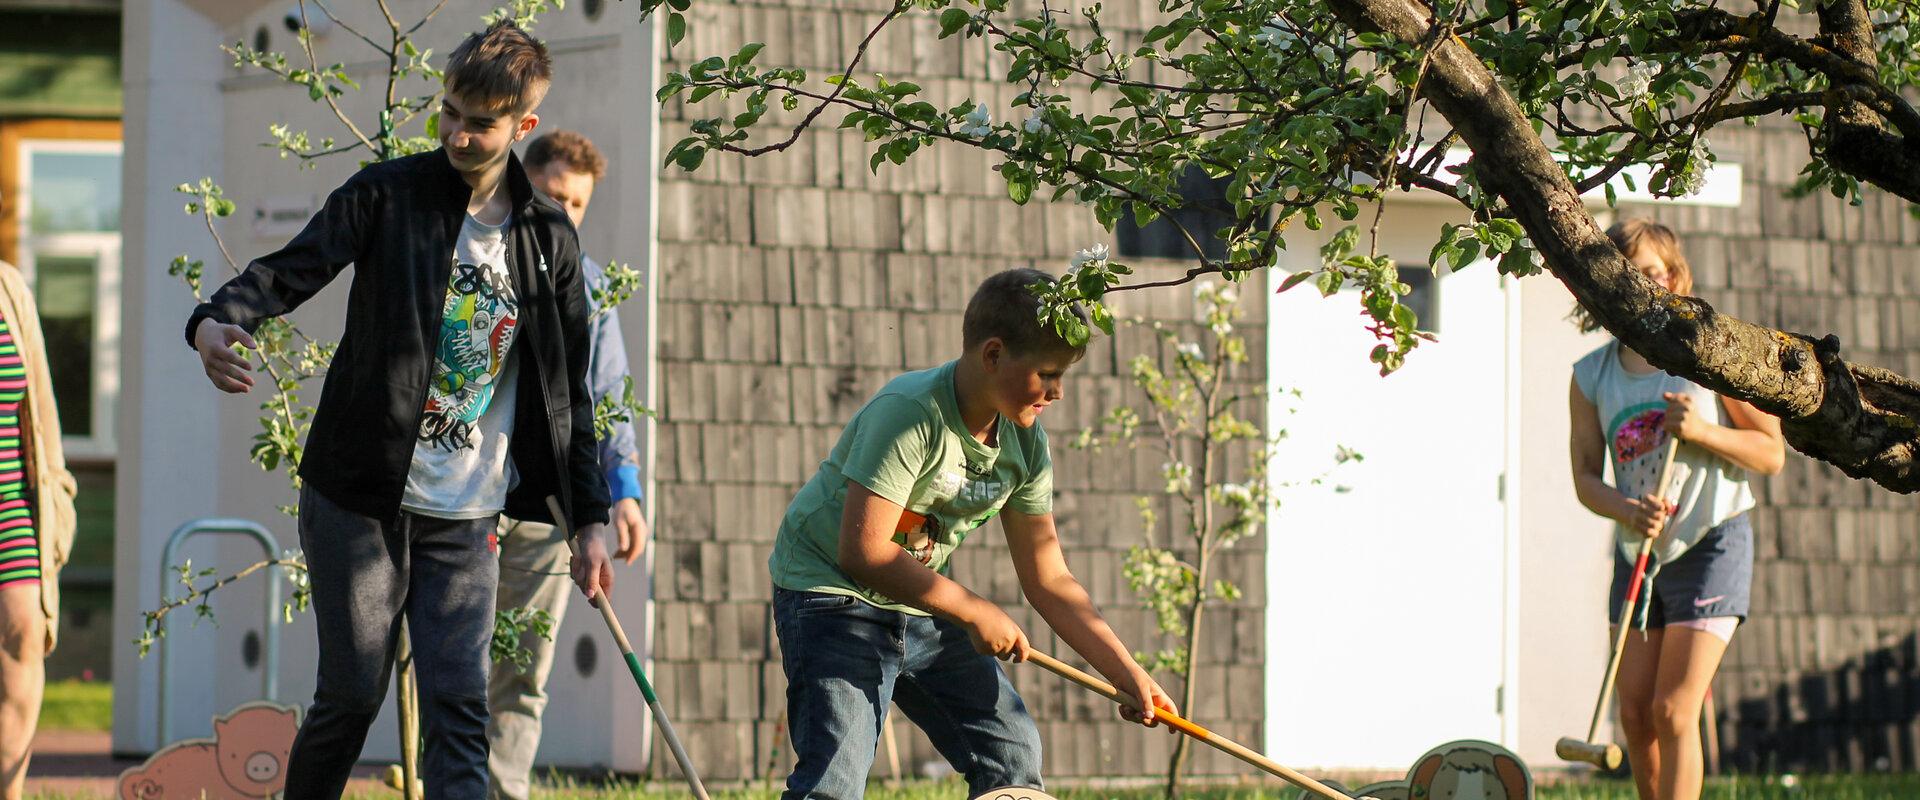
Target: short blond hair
1632 236
503 67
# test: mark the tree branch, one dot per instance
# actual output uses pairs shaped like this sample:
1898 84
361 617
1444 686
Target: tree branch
1829 409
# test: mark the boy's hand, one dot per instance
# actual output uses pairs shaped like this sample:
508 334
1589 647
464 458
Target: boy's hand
631 525
1143 685
226 368
996 634
591 569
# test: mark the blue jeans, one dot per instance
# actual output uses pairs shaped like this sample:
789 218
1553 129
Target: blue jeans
846 660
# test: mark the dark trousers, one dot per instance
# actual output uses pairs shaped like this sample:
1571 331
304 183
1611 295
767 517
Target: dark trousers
366 573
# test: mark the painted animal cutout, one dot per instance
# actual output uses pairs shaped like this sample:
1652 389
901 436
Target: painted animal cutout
1385 790
246 759
1469 770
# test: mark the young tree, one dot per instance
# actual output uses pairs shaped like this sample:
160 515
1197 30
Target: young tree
1305 106
1217 484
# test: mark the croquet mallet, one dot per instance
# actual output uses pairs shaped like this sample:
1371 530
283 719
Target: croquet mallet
1607 755
633 661
1171 720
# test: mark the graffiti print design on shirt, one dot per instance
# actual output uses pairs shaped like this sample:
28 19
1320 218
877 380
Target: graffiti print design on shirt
477 324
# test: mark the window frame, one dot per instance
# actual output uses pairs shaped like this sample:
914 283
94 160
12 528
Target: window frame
19 143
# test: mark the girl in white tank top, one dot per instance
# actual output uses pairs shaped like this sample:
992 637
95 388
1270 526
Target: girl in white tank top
1623 411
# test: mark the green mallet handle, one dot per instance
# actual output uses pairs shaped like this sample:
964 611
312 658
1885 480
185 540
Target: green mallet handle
633 662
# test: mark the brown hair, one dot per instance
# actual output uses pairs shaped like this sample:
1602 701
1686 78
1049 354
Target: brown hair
569 148
1630 237
503 67
1006 308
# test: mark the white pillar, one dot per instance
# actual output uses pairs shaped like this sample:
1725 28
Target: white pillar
171 71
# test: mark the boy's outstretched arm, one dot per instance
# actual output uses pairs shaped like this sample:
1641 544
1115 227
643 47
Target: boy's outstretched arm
1068 609
869 555
279 282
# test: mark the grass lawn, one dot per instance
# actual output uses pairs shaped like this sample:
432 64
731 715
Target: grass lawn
74 705
1817 787
1830 787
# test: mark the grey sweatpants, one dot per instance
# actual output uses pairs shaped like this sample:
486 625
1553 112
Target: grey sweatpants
365 574
533 574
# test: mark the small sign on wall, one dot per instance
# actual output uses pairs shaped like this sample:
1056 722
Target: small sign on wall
282 216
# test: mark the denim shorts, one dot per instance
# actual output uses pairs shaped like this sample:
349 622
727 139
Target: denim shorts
1712 579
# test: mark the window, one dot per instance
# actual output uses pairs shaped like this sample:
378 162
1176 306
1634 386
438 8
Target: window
68 209
1205 213
1424 298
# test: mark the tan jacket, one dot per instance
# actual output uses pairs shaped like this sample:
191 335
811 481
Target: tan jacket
46 462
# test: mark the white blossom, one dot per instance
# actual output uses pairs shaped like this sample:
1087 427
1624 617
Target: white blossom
1191 350
1036 122
1638 81
1275 34
1236 493
1096 253
978 122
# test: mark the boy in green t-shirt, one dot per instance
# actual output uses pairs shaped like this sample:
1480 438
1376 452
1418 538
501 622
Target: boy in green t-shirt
864 605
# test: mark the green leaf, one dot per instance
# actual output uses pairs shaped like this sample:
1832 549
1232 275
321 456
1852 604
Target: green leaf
1294 280
746 54
690 158
676 28
433 125
1020 187
951 20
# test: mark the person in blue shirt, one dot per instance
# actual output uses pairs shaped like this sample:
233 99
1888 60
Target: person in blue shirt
564 166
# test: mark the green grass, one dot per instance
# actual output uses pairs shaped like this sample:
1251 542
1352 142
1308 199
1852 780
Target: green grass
1814 787
73 705
1828 787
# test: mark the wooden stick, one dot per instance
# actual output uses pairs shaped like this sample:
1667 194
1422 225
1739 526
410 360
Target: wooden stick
1608 755
1222 743
633 661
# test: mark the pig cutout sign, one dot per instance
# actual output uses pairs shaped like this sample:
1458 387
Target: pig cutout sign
245 759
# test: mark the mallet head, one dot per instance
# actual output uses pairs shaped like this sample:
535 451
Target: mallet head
1605 756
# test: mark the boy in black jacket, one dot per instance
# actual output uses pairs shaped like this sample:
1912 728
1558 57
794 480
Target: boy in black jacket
458 392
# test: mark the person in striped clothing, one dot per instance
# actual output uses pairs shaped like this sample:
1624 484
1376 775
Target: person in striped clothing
36 525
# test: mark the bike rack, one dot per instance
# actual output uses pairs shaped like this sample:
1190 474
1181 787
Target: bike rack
270 671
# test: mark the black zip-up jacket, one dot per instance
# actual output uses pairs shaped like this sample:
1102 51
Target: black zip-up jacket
397 222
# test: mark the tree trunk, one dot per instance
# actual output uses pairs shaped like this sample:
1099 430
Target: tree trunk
1864 420
1189 692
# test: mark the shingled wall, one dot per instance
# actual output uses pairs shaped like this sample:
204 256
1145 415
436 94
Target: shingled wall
792 286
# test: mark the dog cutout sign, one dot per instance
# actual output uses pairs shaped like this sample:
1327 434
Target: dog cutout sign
1470 770
245 759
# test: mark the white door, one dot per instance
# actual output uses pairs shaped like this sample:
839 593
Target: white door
1388 609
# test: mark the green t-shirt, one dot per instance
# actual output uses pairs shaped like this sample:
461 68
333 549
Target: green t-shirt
909 446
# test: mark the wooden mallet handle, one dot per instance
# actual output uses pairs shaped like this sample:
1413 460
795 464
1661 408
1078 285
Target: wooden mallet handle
1607 755
1174 721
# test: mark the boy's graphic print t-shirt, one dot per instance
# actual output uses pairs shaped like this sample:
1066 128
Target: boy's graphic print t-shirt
908 445
460 466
